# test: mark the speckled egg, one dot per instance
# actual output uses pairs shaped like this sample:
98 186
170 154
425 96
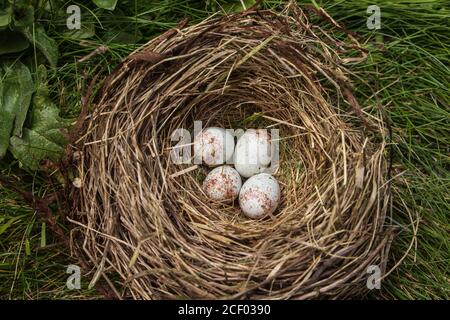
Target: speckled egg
252 153
259 196
222 184
214 146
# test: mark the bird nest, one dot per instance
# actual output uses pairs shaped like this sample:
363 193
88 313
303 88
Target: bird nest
143 221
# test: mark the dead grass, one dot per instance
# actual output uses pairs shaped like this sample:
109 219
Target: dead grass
135 217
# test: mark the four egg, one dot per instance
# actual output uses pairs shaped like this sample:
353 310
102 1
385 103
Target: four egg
259 196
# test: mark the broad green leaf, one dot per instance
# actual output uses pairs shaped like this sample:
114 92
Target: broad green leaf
106 4
11 42
23 16
16 89
46 119
54 5
40 78
33 147
44 139
43 42
5 16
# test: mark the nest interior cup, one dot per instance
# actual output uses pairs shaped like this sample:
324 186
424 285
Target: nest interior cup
143 221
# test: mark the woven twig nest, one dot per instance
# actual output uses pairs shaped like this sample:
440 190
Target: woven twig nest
145 223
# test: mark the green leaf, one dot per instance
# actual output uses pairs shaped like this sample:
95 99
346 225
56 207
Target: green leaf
5 16
86 31
33 147
43 235
16 89
315 4
27 247
123 36
12 42
46 120
238 6
45 138
43 42
106 4
87 25
8 224
23 16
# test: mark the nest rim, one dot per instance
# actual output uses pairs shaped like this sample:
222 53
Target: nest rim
128 219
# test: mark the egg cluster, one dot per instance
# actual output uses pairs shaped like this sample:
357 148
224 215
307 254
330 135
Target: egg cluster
260 193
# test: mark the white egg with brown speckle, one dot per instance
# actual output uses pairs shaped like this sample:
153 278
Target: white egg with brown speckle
259 196
222 184
214 146
253 152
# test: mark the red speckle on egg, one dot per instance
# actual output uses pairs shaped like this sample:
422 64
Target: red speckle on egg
261 198
223 183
